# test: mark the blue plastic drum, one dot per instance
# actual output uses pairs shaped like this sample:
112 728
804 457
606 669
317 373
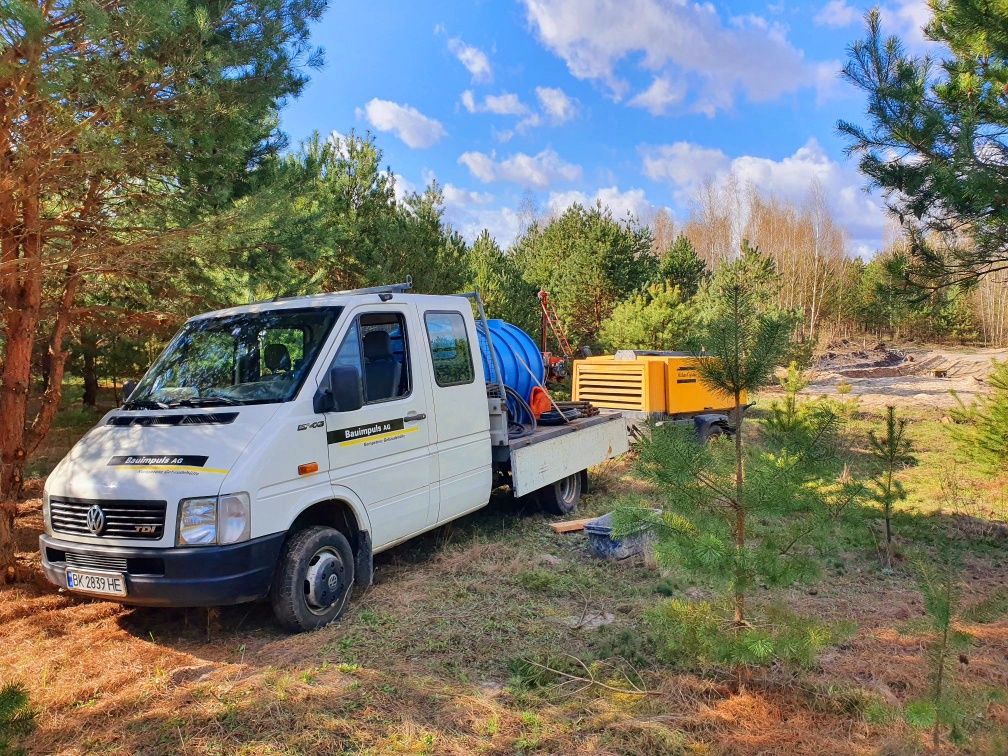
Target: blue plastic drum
517 355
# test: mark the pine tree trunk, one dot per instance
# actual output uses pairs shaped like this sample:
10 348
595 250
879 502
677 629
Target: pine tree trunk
8 571
740 523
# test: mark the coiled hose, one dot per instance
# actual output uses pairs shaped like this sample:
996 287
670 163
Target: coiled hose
521 421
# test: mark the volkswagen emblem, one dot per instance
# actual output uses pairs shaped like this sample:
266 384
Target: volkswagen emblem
96 519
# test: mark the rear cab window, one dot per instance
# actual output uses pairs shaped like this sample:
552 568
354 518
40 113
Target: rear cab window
449 348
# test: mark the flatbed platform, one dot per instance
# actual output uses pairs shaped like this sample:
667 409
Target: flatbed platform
547 432
553 452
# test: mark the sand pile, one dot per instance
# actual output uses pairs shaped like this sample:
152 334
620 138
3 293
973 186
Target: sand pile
881 374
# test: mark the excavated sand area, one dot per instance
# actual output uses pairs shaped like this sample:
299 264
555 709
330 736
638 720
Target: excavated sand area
909 377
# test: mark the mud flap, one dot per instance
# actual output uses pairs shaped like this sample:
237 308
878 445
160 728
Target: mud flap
363 563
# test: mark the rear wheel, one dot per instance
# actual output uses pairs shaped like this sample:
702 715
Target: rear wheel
562 497
713 433
314 578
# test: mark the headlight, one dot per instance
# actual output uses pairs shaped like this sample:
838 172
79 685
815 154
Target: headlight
234 520
214 519
46 516
197 523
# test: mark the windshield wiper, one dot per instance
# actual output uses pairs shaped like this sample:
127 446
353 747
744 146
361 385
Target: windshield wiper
144 404
206 401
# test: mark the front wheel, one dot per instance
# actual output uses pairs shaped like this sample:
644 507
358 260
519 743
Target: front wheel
314 578
562 497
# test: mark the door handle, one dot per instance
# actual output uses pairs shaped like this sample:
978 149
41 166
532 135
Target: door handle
414 417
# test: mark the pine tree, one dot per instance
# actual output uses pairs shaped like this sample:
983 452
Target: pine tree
935 138
890 452
682 267
982 428
744 345
740 513
948 637
121 124
656 319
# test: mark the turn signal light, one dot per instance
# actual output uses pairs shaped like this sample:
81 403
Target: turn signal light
308 468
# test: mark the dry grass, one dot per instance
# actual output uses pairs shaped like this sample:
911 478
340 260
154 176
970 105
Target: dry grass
425 662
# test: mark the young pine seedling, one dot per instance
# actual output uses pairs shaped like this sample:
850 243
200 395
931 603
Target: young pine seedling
891 451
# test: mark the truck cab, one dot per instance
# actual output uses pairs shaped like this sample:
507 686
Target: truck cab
273 448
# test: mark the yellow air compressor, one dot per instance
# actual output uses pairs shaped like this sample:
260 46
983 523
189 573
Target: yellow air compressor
654 384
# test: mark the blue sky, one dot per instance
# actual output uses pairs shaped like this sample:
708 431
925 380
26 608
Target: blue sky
636 102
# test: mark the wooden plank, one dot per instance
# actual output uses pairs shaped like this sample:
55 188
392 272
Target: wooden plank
570 526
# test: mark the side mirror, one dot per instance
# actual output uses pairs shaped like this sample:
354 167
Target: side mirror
128 388
343 394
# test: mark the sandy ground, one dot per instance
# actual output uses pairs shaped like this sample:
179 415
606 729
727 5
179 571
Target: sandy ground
916 376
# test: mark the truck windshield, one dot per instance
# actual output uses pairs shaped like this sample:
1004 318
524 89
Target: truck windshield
249 358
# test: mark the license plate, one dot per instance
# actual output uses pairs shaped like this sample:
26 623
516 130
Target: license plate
104 583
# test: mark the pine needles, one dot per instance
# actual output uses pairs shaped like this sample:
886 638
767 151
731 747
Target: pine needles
17 718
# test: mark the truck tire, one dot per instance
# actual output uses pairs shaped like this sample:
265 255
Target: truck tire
314 579
713 432
562 497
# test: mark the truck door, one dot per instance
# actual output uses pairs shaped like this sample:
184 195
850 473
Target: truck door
461 432
381 451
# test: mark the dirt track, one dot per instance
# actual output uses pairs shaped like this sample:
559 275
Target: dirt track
915 376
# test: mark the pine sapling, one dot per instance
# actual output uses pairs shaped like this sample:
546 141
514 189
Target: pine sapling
17 718
890 451
745 344
755 511
784 417
981 428
947 708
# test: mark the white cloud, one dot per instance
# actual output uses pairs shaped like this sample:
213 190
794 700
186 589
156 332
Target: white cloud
632 201
479 164
455 196
407 123
503 223
534 171
683 164
657 98
402 188
505 103
714 58
686 166
837 14
907 19
904 18
556 105
474 59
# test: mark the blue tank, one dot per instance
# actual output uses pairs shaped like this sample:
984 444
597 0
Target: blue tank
513 347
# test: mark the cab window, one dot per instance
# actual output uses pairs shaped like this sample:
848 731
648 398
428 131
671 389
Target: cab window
373 359
449 347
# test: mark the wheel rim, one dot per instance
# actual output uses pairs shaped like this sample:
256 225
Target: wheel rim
568 488
323 583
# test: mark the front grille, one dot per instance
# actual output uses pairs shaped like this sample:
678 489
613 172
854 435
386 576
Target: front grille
124 518
96 562
145 565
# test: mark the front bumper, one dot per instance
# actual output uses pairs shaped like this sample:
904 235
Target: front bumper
179 577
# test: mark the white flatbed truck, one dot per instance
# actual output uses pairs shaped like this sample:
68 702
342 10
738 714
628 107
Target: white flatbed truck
272 449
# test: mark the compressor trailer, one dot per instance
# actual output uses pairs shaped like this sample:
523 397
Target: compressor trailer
272 449
660 387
